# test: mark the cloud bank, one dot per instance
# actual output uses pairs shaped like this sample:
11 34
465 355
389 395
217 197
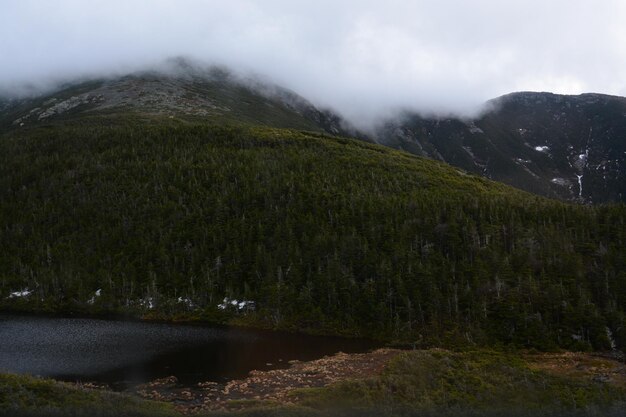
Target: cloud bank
364 58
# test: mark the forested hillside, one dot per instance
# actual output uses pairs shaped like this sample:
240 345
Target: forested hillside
163 217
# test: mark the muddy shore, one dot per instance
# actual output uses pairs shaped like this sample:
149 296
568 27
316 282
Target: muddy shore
273 386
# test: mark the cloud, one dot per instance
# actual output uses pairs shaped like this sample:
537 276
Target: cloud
364 58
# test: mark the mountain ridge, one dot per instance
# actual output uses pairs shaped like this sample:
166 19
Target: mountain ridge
545 143
569 147
177 89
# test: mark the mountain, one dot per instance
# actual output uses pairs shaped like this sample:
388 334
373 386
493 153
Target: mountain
571 148
145 212
177 89
567 147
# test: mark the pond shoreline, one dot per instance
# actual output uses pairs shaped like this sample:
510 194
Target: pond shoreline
313 383
217 320
417 382
269 387
123 353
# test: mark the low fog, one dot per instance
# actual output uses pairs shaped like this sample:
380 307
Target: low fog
365 59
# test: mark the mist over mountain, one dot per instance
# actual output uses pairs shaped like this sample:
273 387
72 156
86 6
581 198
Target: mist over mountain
176 87
443 179
364 59
567 147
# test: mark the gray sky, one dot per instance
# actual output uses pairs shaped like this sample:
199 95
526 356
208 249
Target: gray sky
361 57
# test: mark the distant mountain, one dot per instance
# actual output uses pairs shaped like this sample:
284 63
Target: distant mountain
567 147
178 89
571 148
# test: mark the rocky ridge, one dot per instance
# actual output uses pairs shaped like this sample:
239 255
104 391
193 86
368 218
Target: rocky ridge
567 147
178 89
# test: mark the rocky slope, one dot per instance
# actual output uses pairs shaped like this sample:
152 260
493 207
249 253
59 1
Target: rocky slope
176 89
568 147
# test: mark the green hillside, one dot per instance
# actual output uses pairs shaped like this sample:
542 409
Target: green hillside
168 217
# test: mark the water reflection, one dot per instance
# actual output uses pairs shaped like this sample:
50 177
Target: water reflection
123 353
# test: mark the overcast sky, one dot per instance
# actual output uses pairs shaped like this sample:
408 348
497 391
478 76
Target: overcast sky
360 57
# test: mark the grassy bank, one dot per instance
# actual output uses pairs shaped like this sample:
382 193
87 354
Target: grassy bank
28 396
432 382
441 383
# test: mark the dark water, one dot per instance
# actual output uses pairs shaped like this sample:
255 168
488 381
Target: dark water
123 353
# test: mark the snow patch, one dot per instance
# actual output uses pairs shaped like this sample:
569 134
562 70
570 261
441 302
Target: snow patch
609 335
542 148
522 162
580 185
236 304
20 294
560 181
148 302
97 294
186 301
